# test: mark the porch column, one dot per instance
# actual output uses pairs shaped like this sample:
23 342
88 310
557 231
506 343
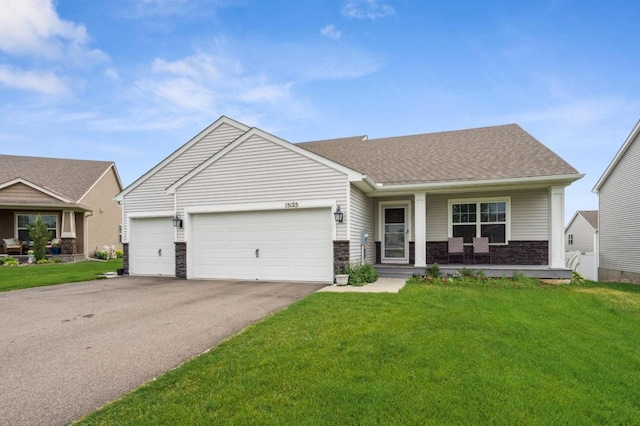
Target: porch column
556 227
419 229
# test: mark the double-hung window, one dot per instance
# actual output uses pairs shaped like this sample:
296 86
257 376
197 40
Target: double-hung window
480 218
25 220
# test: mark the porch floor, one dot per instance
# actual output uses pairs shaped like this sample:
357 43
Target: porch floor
533 271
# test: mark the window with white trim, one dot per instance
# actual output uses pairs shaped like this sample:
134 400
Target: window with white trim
484 218
25 220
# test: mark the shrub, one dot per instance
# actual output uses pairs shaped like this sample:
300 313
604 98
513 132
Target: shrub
8 261
576 278
40 235
466 273
119 254
433 271
101 254
361 274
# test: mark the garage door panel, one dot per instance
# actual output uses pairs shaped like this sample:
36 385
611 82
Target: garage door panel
151 247
293 245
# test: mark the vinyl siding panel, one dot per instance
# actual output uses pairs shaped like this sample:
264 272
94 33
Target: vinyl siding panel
258 171
362 217
103 223
529 213
619 225
583 240
151 195
20 193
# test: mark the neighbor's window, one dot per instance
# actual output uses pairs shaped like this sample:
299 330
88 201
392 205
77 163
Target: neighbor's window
480 219
570 239
26 220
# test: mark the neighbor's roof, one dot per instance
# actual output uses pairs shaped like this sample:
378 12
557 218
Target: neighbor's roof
590 216
488 153
69 178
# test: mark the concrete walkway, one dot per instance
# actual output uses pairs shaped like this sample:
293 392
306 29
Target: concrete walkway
383 285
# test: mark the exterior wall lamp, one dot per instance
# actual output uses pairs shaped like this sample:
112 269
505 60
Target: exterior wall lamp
338 215
177 221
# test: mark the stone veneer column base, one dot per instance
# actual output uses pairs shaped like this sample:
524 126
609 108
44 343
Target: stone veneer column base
181 260
125 258
340 253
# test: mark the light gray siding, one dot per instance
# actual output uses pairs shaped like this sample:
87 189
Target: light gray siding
151 195
619 225
259 171
529 213
362 217
583 236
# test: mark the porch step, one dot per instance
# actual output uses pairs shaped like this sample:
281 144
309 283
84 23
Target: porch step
534 271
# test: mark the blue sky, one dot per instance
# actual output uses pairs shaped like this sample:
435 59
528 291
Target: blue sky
133 80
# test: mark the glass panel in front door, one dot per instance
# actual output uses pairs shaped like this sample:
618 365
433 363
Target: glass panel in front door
394 233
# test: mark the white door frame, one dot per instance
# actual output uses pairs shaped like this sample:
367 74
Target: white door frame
406 205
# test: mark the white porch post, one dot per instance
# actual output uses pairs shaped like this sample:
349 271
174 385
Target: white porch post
420 231
556 224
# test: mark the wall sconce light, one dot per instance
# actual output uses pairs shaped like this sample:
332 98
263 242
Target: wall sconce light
338 215
177 221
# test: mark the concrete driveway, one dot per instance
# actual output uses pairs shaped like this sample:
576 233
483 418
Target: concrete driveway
67 350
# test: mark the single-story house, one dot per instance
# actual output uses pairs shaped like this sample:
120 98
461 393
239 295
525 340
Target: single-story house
618 191
581 232
239 203
73 197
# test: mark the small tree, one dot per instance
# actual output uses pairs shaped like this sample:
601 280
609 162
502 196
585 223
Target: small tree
40 235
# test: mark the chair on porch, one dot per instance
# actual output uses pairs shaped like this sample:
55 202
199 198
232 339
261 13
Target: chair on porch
481 247
12 245
456 248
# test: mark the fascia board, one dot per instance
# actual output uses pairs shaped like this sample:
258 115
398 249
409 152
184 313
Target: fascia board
112 166
466 185
352 174
616 159
575 215
222 120
37 188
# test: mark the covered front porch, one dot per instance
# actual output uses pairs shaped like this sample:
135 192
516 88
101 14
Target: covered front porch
524 228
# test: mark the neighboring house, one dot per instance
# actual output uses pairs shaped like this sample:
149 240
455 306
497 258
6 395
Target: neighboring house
73 197
581 233
618 192
236 202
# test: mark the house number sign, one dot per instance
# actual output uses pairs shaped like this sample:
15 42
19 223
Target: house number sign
291 205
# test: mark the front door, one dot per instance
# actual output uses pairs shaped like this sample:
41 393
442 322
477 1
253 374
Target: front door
395 242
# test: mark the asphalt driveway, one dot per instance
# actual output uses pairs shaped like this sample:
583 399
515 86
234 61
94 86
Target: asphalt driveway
67 350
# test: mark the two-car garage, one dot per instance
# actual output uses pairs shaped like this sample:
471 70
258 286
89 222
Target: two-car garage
269 245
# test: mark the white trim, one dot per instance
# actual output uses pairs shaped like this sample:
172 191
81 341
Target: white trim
463 186
115 171
219 122
406 204
556 227
351 174
478 223
420 229
71 233
37 188
625 146
58 217
270 205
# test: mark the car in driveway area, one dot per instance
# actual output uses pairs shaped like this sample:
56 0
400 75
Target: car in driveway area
67 350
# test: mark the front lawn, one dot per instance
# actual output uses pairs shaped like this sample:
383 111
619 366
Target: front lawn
433 354
25 276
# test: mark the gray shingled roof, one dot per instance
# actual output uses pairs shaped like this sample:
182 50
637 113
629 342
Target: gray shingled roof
590 216
499 152
69 178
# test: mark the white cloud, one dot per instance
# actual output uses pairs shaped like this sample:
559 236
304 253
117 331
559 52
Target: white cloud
112 74
32 27
46 83
367 9
330 31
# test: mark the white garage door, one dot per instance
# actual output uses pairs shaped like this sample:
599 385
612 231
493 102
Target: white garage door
151 247
279 245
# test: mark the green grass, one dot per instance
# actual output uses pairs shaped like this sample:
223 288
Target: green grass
469 353
26 276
